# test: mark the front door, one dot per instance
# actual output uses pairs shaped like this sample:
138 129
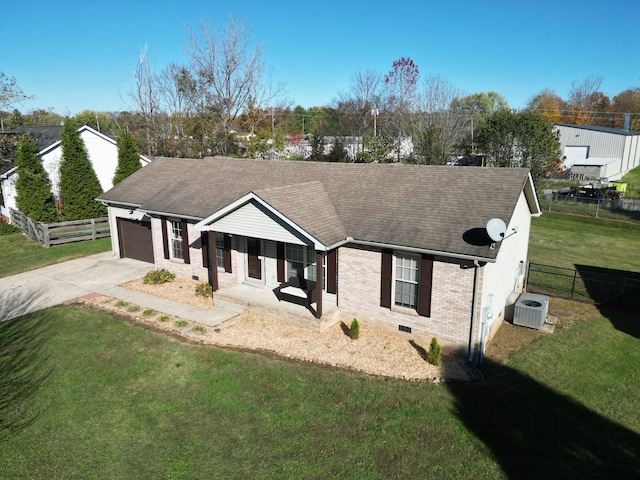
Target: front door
254 258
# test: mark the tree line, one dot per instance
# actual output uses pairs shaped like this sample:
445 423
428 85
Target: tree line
223 100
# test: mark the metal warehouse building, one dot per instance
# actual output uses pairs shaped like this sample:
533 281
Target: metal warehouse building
581 142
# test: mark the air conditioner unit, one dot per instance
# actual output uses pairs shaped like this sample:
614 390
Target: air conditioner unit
531 310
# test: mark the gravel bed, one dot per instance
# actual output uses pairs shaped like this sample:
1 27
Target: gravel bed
375 352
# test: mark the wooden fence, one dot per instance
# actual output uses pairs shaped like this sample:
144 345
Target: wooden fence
63 232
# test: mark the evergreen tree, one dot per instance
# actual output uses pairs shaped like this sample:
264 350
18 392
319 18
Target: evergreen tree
33 194
79 184
128 157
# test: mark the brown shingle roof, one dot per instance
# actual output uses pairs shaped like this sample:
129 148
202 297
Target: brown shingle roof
419 206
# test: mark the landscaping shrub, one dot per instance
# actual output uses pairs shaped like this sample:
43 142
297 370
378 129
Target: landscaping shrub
354 330
435 352
163 318
133 308
121 303
149 312
203 289
7 228
180 323
157 277
199 328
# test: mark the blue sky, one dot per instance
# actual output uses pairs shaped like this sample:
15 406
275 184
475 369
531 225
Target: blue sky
77 55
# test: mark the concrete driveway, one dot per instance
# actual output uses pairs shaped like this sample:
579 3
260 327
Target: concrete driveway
101 273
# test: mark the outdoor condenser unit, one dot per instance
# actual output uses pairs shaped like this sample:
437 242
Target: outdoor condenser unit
531 310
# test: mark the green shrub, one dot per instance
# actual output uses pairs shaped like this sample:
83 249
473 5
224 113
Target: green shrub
133 308
180 323
435 352
156 277
121 303
7 228
164 318
354 330
203 289
149 312
199 328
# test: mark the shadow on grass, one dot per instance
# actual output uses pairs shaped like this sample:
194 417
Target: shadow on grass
617 295
24 363
535 432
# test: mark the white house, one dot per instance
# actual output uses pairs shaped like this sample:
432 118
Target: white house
102 152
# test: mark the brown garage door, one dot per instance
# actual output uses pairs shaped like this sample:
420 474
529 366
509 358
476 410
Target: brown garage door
135 239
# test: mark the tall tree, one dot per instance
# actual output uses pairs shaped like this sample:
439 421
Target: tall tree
228 74
400 86
128 157
548 104
437 130
10 92
625 102
583 105
524 139
79 184
33 192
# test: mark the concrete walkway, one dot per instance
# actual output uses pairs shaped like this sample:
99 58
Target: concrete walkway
101 273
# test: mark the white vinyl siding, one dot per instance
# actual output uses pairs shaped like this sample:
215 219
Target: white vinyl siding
253 220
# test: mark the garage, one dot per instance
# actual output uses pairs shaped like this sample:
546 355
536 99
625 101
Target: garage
134 238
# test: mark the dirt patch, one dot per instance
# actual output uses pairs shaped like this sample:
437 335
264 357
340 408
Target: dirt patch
511 338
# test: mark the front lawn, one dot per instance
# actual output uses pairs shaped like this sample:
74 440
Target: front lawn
18 253
122 402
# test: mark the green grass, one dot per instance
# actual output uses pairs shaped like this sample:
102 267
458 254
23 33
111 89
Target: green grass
632 179
123 402
20 253
567 240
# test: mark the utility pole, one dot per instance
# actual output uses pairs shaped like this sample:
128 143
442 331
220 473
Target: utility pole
375 113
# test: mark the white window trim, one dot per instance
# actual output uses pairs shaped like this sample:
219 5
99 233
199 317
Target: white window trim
395 306
307 266
220 265
173 239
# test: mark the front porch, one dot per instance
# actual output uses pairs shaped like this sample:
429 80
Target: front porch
265 301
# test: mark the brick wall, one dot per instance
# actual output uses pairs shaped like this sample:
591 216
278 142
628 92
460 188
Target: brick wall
359 296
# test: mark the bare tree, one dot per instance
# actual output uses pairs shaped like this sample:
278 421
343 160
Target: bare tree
583 104
437 129
357 104
229 74
10 94
146 101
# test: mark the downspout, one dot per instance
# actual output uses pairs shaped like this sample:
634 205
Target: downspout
476 267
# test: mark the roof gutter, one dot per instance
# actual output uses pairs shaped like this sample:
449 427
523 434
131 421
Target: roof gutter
418 250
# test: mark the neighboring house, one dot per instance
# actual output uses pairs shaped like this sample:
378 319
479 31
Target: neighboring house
580 143
102 151
401 246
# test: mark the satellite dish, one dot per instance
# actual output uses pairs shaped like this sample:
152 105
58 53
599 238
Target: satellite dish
496 229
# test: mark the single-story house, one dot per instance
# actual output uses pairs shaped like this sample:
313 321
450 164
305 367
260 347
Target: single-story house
101 149
582 142
403 247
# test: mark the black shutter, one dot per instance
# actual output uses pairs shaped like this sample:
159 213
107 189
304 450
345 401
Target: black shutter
165 237
386 278
280 255
424 287
204 246
227 253
185 243
332 271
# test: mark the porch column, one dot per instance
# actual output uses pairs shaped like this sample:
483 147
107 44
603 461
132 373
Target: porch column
213 261
319 283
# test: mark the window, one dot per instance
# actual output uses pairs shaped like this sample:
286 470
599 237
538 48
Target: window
300 262
176 240
406 280
220 250
407 276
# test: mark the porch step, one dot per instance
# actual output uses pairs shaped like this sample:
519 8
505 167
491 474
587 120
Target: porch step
299 316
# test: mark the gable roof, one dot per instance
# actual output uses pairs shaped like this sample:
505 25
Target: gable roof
427 208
